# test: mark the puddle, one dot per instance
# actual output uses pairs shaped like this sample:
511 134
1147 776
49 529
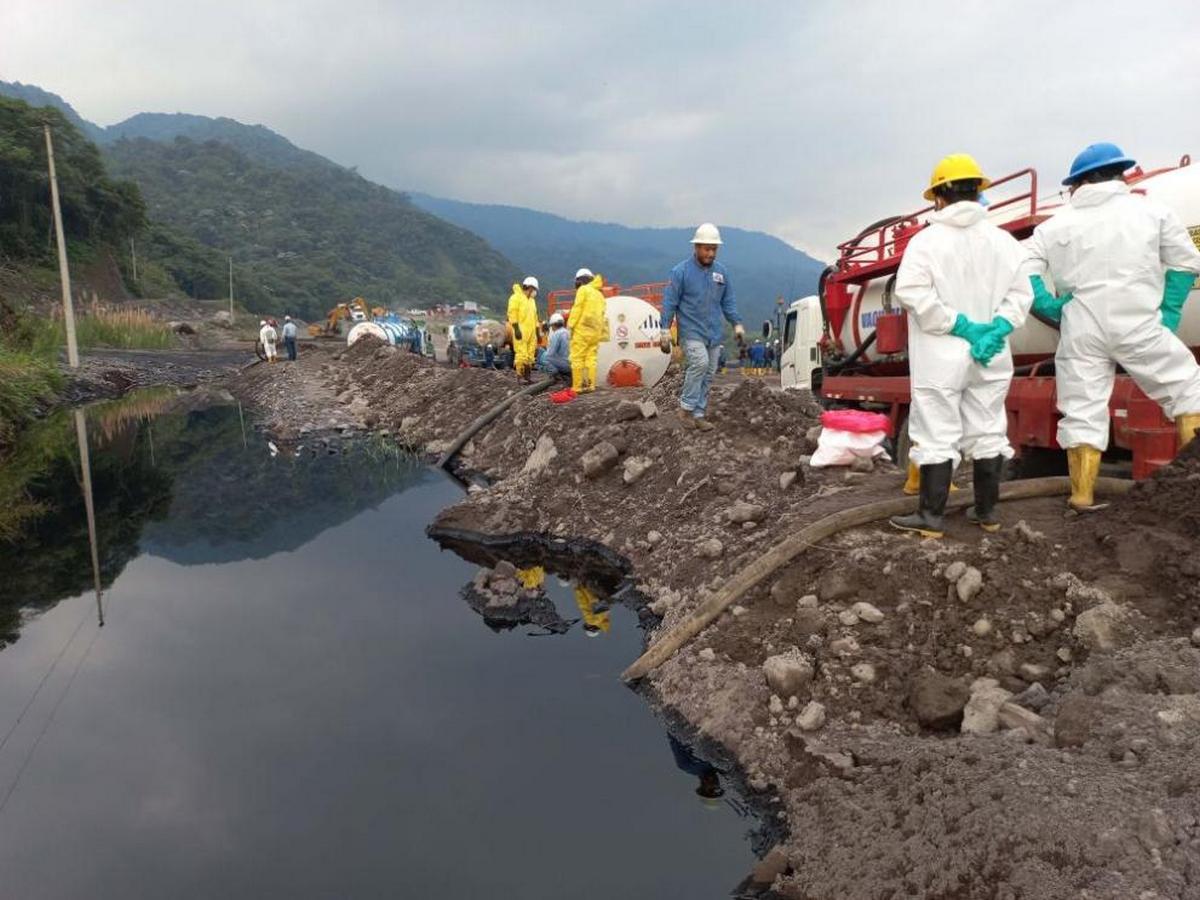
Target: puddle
294 694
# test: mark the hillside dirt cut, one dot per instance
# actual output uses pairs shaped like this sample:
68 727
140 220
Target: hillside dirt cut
1009 715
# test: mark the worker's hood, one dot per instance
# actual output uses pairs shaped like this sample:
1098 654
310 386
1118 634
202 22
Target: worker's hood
963 214
517 291
597 282
1095 194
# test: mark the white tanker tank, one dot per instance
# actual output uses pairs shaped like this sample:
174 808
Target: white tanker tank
1177 188
631 356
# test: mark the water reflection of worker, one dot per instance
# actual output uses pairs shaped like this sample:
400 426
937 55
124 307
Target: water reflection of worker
709 790
533 578
593 622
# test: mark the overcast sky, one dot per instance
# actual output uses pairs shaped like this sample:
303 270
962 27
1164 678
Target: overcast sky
808 120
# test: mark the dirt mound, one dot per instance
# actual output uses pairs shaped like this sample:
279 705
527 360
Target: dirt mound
1169 500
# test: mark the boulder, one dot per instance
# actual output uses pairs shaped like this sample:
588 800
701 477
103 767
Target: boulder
1099 628
627 411
969 584
745 512
636 467
937 700
599 459
787 479
710 549
788 673
223 318
981 715
544 452
811 717
867 612
648 408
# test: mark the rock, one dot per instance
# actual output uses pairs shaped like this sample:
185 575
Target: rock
808 621
834 586
544 453
775 707
867 612
636 467
648 409
954 571
808 601
811 717
1073 720
654 538
793 702
969 584
981 715
786 479
937 700
745 512
223 318
813 434
982 627
708 654
1034 697
1027 534
1196 637
862 464
1017 717
599 459
1154 830
788 673
847 618
864 672
1033 671
738 611
710 549
846 646
1064 654
504 569
1099 628
627 411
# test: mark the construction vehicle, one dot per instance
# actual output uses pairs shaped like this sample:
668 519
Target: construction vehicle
849 342
468 340
630 357
344 316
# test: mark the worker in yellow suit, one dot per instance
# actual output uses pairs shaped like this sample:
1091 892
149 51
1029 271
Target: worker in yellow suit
532 578
588 326
523 320
594 623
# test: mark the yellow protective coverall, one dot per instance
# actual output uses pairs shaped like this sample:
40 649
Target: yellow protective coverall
522 313
588 326
532 578
585 599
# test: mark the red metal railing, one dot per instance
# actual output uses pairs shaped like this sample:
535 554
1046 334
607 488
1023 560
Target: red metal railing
562 300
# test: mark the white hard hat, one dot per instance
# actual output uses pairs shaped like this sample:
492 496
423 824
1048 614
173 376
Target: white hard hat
584 273
707 234
556 319
532 282
262 321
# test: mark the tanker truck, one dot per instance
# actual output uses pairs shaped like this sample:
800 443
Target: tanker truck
848 343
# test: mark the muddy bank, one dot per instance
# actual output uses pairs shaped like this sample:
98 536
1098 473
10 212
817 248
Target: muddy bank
107 374
986 716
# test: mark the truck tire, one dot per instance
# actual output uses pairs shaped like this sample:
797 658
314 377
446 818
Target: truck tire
453 356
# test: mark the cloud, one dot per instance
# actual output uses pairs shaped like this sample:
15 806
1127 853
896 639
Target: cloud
807 120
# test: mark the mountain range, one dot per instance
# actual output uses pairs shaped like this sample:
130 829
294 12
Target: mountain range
310 231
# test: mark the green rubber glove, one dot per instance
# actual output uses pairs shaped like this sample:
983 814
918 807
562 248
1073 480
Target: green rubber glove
1045 304
1177 284
983 350
967 330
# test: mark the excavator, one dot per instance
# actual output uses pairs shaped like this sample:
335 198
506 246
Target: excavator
353 312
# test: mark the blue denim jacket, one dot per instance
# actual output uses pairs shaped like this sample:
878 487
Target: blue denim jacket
699 298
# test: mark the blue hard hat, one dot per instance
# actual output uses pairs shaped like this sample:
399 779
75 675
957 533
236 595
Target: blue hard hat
1097 156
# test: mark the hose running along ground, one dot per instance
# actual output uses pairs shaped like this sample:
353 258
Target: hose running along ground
791 547
488 417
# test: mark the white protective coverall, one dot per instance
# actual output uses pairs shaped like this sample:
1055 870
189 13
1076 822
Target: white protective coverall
960 263
268 336
1111 248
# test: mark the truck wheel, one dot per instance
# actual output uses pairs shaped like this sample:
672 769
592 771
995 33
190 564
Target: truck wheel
260 351
453 356
901 445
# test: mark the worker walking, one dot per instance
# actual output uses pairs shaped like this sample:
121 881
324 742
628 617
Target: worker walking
557 358
589 327
961 283
268 336
1124 266
699 295
289 337
523 320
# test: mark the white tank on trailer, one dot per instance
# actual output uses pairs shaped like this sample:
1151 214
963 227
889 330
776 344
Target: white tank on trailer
631 356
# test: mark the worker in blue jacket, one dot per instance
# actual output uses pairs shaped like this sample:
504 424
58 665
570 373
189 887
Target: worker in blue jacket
700 296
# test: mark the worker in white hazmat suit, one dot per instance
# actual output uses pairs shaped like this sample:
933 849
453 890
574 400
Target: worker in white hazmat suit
268 335
961 283
1123 266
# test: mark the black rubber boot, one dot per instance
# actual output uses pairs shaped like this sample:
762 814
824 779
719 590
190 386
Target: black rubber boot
988 475
935 489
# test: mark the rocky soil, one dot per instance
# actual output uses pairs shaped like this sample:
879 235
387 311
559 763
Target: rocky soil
1008 716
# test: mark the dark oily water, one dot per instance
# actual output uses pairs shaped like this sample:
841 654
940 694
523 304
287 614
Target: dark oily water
290 696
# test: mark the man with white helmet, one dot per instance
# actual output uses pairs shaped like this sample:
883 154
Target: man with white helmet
589 327
1123 266
523 320
960 282
557 358
699 295
268 335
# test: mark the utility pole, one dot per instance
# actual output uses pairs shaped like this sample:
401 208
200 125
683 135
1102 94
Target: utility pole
64 273
133 259
231 289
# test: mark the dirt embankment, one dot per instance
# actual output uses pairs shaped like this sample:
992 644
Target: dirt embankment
1003 716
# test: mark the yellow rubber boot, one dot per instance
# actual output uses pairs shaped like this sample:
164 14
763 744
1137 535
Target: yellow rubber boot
1083 464
1187 425
912 484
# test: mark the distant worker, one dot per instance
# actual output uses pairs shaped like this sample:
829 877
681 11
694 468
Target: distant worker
721 360
961 283
289 337
557 358
523 320
589 327
1124 266
699 294
268 336
758 358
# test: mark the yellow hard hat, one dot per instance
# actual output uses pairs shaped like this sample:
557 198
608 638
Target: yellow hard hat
956 167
